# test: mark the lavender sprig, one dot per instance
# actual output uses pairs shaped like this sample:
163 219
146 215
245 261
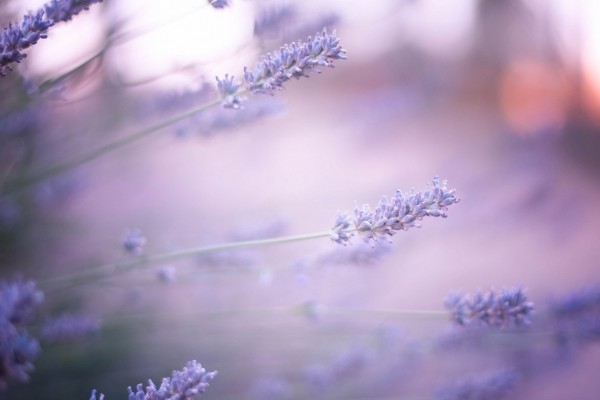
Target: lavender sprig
398 213
508 307
186 384
65 10
294 60
18 302
16 38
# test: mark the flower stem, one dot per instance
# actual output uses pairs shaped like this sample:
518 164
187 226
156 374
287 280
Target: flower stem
18 184
109 270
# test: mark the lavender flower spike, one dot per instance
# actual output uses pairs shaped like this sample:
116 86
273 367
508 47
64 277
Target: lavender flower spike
64 10
93 396
395 214
186 384
295 60
509 307
218 3
14 39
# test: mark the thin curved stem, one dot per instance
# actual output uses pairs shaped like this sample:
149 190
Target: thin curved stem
101 151
109 270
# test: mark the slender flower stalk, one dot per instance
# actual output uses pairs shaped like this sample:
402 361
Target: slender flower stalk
82 159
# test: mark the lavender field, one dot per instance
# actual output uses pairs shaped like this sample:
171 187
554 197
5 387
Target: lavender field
371 201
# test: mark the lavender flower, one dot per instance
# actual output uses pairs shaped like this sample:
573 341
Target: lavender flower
183 385
398 213
65 10
69 327
166 274
134 241
14 39
508 307
291 61
577 303
93 396
228 89
18 350
219 3
363 254
271 20
493 386
18 301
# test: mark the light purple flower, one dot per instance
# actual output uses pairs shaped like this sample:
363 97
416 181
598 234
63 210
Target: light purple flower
134 241
16 38
295 60
186 384
219 3
93 396
18 350
18 301
70 327
492 386
65 10
228 90
508 307
398 213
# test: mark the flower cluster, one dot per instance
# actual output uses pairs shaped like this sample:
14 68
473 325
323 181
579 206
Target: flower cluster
64 10
508 307
134 241
69 327
16 38
391 215
295 60
492 386
186 384
18 350
219 3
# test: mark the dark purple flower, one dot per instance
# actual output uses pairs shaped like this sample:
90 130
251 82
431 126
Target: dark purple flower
16 38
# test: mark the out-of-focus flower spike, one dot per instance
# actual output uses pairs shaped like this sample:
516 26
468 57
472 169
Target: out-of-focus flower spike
508 307
219 3
93 396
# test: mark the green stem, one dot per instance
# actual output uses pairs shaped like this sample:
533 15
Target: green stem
109 270
99 152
